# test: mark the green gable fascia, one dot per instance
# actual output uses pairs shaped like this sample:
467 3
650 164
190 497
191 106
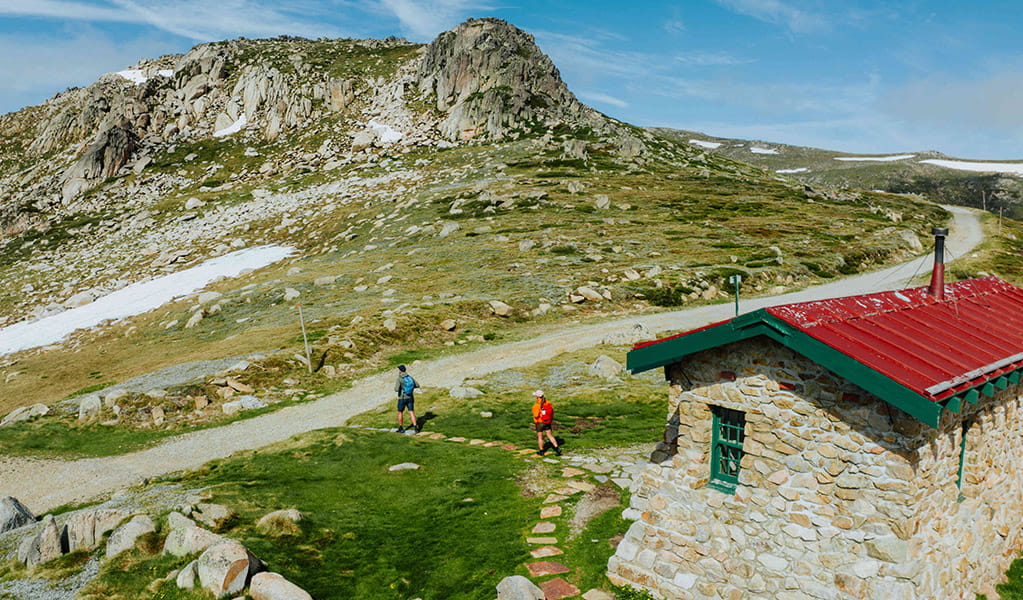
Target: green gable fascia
761 322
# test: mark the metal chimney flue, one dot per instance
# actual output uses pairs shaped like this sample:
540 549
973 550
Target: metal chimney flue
937 287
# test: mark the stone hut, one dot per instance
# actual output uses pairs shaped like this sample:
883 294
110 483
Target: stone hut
860 447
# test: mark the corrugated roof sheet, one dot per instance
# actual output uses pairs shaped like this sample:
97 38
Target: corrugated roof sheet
936 349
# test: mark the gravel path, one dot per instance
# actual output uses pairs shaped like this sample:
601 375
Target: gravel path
45 484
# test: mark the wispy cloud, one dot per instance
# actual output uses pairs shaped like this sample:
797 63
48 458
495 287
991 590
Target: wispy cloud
674 26
423 20
198 20
710 59
600 97
779 13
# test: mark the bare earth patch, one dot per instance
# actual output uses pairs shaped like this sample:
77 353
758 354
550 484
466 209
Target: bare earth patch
593 504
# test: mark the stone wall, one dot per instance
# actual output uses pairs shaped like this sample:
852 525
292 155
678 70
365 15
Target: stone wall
841 495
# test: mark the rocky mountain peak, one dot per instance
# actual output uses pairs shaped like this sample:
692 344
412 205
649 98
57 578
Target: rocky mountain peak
489 77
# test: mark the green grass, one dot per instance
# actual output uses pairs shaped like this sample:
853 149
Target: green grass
1013 588
588 552
450 530
588 413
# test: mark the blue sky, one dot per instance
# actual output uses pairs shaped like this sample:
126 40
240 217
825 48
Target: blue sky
855 75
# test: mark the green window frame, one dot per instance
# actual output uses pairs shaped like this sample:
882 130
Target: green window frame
729 432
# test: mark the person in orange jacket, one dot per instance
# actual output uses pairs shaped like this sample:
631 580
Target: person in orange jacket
543 416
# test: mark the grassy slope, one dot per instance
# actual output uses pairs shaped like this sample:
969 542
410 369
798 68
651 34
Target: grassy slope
696 228
942 185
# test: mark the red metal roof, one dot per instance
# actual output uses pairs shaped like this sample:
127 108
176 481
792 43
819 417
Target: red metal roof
935 348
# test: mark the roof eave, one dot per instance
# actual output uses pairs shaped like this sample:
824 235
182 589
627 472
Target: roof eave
761 322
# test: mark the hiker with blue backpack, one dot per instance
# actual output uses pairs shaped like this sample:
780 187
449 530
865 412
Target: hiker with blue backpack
405 387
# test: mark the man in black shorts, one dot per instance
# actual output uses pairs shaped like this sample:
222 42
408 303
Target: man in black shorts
405 387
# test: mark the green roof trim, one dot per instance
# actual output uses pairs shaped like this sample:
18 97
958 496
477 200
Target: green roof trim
760 322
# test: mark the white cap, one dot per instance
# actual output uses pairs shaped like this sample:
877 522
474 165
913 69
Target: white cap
538 393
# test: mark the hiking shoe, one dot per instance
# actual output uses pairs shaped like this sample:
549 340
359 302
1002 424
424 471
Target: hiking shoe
401 430
541 452
418 428
557 451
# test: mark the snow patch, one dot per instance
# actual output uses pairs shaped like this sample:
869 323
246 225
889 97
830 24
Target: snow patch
759 150
232 128
165 72
385 133
876 158
703 144
136 298
135 76
799 170
1014 168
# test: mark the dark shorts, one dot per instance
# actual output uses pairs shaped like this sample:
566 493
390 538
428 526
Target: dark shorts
541 427
406 404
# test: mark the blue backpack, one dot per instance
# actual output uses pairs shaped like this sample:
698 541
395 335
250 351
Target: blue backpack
408 385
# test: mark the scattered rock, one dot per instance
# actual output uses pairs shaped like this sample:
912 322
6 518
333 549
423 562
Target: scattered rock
186 537
195 319
500 308
44 546
124 537
272 520
486 414
448 229
636 333
448 325
186 576
273 586
605 367
226 568
89 406
194 203
589 293
518 587
461 392
325 280
390 324
408 466
207 297
14 514
24 413
601 201
159 416
526 245
212 515
290 294
243 403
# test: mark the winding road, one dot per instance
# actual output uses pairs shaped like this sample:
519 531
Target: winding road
45 484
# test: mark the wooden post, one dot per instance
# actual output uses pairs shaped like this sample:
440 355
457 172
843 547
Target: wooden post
308 359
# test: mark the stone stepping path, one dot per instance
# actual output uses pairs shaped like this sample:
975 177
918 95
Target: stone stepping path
575 480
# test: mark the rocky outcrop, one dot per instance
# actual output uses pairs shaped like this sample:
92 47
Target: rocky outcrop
113 146
14 514
490 78
186 537
44 546
226 568
124 537
273 586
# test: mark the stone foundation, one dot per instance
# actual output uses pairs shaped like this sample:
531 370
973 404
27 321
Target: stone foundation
840 495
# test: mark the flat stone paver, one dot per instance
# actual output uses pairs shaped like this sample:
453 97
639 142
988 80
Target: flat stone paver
599 468
456 439
509 447
582 486
558 588
571 472
544 527
567 491
549 512
596 594
491 444
476 442
542 540
551 499
438 436
545 551
546 567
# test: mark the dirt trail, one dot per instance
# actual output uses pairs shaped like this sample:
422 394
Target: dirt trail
46 484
